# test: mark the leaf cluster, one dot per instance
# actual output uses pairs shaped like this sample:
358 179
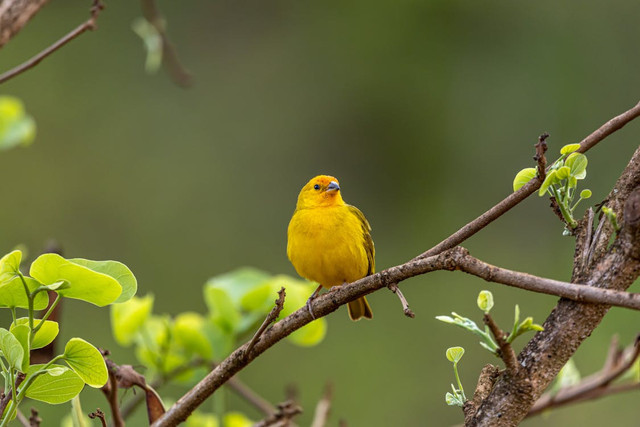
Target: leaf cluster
97 282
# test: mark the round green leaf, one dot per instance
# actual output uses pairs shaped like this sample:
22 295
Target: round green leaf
84 284
236 283
236 419
11 349
188 331
13 294
16 127
45 335
585 194
577 162
86 361
522 177
115 269
298 292
454 354
58 384
569 148
128 317
485 301
223 311
10 265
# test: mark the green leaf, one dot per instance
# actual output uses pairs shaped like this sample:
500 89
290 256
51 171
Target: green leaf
577 162
188 331
22 332
11 349
58 384
127 318
115 269
10 265
16 127
454 354
152 43
298 292
236 419
45 335
550 179
84 284
563 172
87 362
522 177
567 377
485 301
237 283
585 194
13 294
199 419
452 400
223 311
569 148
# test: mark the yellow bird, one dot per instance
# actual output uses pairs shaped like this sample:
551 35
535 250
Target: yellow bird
329 241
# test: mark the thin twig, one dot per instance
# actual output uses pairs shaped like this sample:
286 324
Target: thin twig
99 414
180 75
110 390
282 416
506 352
405 305
273 315
596 385
541 148
528 189
34 419
323 408
90 24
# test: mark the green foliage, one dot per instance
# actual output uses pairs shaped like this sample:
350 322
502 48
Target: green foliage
612 217
485 303
457 398
16 126
237 303
561 181
152 43
97 282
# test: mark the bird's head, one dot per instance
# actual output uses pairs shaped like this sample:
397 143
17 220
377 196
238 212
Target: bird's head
321 191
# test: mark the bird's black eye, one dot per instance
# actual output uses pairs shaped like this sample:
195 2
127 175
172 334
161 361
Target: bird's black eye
316 187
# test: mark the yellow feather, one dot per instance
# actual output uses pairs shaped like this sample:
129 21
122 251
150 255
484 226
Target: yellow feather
329 242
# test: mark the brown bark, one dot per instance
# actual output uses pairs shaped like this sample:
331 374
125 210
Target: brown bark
14 14
570 323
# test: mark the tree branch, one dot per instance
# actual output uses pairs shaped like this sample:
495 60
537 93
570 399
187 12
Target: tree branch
506 352
14 14
613 267
90 24
529 188
422 264
618 362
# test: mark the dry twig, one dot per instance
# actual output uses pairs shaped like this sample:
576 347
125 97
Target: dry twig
506 352
90 24
405 305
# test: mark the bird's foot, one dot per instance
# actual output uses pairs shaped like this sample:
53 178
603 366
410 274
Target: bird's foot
313 296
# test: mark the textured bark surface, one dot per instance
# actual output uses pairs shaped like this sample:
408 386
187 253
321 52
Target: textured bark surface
570 323
14 14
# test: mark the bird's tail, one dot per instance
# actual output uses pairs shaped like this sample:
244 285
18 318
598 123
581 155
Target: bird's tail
359 308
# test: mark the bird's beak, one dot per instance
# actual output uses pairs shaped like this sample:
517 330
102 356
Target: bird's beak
333 186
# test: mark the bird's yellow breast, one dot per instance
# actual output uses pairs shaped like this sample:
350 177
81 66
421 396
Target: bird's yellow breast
327 245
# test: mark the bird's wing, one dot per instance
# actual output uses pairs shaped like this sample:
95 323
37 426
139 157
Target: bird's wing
368 241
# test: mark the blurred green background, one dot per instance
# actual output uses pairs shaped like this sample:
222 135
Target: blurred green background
424 111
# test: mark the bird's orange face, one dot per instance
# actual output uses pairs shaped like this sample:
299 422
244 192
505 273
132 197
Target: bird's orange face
323 190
